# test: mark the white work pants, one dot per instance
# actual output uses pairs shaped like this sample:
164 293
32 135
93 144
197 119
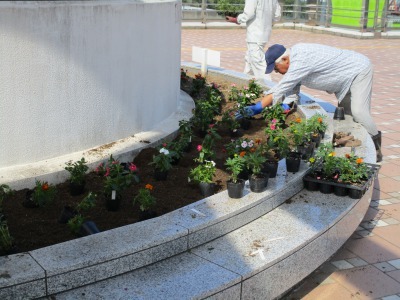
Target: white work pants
357 101
255 64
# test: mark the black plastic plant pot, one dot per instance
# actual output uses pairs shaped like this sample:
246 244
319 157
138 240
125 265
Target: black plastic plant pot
245 124
235 189
340 191
245 174
258 183
76 189
88 228
311 185
326 188
147 215
113 204
28 201
207 189
292 164
271 168
67 214
356 193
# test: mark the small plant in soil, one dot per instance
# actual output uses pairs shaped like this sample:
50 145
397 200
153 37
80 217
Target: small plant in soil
162 161
203 172
75 223
144 198
6 241
43 193
77 170
235 165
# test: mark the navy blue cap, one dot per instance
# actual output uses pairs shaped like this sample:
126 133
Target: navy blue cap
271 55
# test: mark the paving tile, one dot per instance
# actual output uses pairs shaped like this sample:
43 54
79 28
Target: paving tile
373 249
390 169
372 213
395 275
367 282
391 221
357 262
393 211
389 233
342 254
365 233
329 292
393 297
395 263
384 267
388 185
342 264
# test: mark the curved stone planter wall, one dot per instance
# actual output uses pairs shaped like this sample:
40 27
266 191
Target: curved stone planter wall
258 246
79 74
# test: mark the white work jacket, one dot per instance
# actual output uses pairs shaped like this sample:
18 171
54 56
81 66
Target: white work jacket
258 16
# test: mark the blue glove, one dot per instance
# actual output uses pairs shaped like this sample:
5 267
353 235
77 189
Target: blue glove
250 111
285 106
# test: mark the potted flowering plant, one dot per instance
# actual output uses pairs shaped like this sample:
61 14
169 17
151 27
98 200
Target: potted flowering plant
117 177
41 195
203 174
77 223
317 124
277 139
146 202
235 185
77 172
255 161
162 164
228 118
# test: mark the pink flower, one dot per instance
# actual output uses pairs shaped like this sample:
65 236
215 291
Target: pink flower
274 121
164 144
132 167
272 126
199 147
233 84
211 125
107 172
115 162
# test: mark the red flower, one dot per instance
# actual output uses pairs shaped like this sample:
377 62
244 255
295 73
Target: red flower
45 186
132 167
199 147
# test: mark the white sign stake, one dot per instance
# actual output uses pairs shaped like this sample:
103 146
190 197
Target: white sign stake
206 57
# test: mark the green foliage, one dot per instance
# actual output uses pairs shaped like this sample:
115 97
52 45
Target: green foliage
144 198
6 241
5 191
274 114
43 193
352 169
75 223
228 118
203 115
162 161
116 176
204 172
298 133
317 123
230 7
255 89
77 170
87 203
255 160
277 139
235 165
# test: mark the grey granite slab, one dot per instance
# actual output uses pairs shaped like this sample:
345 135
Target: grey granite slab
279 278
267 240
21 277
185 276
96 257
217 215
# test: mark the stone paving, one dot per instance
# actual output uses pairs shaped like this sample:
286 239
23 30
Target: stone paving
368 265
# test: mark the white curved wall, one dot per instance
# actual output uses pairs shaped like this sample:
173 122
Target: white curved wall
78 74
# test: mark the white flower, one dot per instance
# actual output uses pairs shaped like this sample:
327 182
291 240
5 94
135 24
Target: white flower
244 144
251 143
164 151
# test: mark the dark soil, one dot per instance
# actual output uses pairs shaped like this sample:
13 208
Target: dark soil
33 228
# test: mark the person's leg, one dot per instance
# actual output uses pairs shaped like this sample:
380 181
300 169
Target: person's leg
256 60
358 104
247 65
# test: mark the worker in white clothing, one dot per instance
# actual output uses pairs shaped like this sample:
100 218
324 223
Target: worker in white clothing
258 15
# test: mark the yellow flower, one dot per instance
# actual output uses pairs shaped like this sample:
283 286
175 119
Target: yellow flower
332 154
149 186
312 160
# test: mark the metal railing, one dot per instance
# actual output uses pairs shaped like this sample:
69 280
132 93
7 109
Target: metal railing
372 16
